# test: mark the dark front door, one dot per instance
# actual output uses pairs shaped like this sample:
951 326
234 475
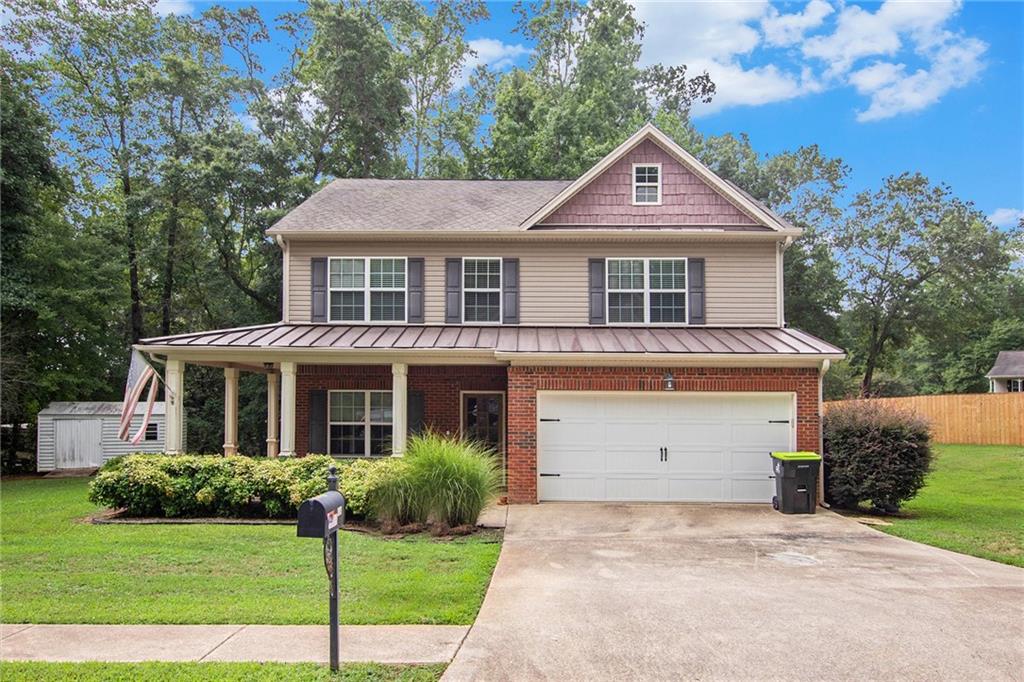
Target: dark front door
483 419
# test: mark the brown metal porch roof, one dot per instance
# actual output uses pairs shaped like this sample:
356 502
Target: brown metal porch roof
501 339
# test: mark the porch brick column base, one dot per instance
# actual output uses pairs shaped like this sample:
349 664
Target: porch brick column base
522 437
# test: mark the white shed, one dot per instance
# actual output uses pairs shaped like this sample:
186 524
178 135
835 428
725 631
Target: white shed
84 434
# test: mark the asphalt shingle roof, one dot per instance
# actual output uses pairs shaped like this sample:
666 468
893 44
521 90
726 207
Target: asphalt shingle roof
357 205
1009 364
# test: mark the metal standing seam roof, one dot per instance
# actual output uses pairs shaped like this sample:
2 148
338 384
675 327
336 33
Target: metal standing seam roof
502 339
1009 365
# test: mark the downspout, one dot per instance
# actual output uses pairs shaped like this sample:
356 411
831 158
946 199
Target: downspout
284 276
780 251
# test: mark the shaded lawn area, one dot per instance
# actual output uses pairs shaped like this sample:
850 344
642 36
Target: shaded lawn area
215 672
58 569
972 502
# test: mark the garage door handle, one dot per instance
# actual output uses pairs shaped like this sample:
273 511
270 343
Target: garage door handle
778 421
549 420
555 475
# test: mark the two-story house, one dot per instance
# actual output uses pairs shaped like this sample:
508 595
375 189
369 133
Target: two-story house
620 336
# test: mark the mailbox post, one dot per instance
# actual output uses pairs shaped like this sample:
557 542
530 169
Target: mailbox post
321 517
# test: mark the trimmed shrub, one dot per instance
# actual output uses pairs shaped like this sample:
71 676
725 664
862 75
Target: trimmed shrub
440 479
874 453
181 486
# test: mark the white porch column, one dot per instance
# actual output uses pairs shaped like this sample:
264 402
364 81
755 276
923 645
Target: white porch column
230 411
273 418
174 402
399 408
287 409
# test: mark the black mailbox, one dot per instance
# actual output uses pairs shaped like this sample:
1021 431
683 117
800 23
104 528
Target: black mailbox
322 515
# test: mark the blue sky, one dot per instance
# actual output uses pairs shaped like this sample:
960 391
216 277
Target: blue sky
936 86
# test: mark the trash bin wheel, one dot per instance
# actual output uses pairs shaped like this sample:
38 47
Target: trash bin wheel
775 502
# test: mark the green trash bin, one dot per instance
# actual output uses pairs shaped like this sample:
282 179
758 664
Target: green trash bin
796 481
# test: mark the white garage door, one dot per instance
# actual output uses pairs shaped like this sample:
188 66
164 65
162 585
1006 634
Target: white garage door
668 447
78 443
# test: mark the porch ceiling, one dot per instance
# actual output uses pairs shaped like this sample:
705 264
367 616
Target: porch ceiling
503 343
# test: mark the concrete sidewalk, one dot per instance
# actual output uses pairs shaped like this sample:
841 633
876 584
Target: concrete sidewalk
263 643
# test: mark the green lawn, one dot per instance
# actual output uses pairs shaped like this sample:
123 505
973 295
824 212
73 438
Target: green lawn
972 502
214 672
58 569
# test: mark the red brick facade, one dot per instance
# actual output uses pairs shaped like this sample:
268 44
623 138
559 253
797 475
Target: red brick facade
524 382
440 386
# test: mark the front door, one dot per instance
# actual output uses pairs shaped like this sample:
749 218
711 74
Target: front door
483 420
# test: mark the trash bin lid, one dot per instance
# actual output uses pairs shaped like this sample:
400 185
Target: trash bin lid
797 455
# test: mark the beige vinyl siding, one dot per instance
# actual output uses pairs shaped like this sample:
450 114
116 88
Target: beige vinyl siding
740 277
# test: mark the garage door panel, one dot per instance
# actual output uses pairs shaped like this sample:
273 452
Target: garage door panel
696 461
649 489
696 489
682 433
573 460
569 488
752 490
610 447
570 433
636 460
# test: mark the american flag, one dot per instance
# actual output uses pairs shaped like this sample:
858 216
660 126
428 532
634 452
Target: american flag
140 373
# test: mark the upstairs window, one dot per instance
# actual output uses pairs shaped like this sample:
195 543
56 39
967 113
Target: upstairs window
646 290
647 184
481 290
367 289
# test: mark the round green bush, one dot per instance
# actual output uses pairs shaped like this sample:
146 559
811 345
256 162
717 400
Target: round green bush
874 453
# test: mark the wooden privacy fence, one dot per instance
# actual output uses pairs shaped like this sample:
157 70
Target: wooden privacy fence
973 419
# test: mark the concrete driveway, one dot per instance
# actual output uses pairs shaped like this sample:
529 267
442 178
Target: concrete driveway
646 592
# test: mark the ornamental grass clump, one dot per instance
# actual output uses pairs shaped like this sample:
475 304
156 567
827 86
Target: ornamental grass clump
875 454
442 480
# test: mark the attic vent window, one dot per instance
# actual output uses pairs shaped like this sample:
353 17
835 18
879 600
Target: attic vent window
647 184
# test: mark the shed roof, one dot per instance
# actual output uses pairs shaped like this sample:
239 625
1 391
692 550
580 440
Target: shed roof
100 409
1009 365
522 339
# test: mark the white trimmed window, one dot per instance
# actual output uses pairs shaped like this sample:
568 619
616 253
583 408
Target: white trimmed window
647 184
646 290
481 290
1015 385
367 289
358 423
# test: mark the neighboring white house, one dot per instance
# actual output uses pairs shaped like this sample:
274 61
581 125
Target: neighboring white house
1007 375
84 434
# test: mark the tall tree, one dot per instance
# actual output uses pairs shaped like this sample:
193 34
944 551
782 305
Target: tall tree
897 241
95 54
584 91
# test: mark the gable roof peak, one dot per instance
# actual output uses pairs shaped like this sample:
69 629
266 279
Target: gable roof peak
760 213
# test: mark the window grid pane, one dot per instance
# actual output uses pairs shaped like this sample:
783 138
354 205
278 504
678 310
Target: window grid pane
646 174
668 307
625 274
482 306
380 407
387 306
348 439
668 274
482 273
387 273
625 307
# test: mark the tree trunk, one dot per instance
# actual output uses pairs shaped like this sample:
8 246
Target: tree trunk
130 237
168 291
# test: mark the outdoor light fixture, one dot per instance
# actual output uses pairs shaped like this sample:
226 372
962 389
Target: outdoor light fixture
669 381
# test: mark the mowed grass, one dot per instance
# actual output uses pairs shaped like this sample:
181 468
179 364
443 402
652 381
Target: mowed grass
58 569
972 502
214 672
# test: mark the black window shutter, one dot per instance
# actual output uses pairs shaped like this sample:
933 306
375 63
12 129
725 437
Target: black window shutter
510 290
695 283
414 285
415 413
317 422
452 290
318 272
597 291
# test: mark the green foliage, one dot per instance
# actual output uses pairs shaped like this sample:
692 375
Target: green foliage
183 486
38 671
874 453
442 479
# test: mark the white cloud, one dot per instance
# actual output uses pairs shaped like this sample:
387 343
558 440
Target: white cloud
789 29
494 53
1006 217
181 7
915 59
